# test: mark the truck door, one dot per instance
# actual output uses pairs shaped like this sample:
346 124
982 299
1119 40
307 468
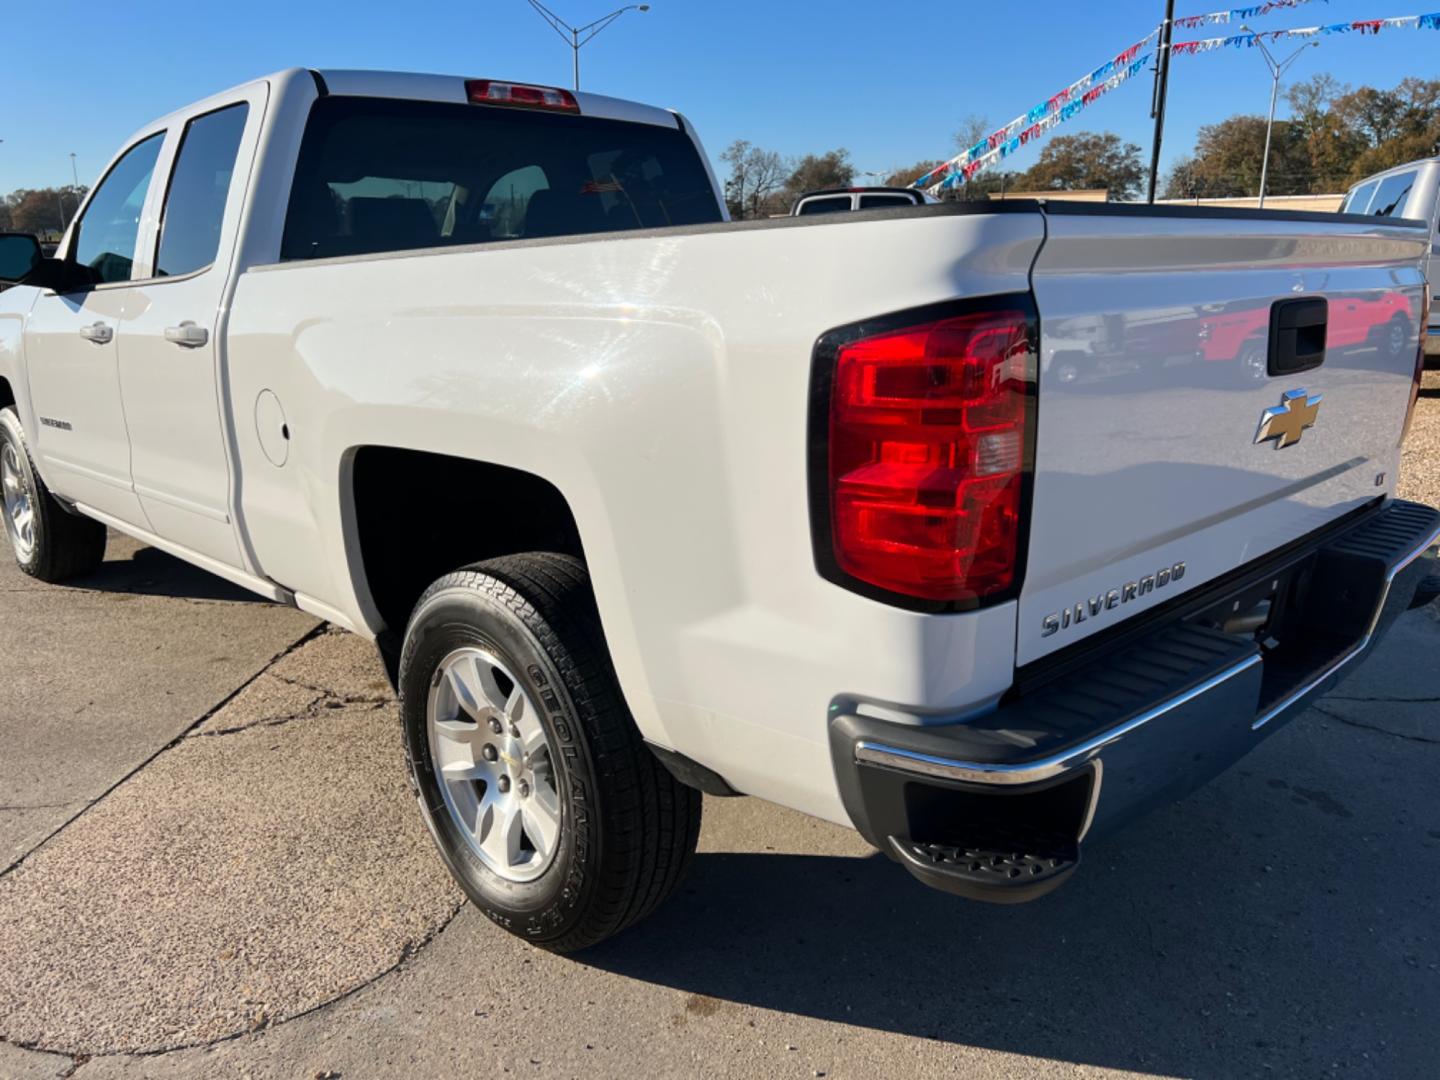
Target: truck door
71 341
169 355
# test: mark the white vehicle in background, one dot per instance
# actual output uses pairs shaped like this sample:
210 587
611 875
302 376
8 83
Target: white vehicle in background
846 200
1407 191
638 502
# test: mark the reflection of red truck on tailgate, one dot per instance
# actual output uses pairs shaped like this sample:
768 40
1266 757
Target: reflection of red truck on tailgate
1383 322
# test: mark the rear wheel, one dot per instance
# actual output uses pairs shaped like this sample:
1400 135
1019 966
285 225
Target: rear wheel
50 542
1254 360
548 808
1395 337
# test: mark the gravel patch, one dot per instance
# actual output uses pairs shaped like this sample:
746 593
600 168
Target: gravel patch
338 663
1420 457
239 880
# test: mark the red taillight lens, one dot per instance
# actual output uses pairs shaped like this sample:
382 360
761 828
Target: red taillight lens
927 455
1419 364
491 92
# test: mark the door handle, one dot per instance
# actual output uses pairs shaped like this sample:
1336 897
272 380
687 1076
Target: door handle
98 333
187 335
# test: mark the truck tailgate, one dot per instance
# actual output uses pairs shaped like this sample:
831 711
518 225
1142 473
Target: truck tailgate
1155 360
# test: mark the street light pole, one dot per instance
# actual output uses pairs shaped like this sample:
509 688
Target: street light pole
73 170
577 36
1157 101
1277 71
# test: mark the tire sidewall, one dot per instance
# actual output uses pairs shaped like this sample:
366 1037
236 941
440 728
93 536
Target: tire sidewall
454 616
12 433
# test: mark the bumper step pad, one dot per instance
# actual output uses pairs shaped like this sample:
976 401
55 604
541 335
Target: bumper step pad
1001 869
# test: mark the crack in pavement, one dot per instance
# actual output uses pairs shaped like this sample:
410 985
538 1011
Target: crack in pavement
45 805
309 635
409 951
1374 727
316 709
348 699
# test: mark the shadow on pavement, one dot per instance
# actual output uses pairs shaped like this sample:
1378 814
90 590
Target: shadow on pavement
1202 941
149 572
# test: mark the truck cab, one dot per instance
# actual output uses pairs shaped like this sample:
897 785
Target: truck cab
1411 191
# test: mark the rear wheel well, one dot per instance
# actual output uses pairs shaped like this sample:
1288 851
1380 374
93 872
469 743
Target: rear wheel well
420 515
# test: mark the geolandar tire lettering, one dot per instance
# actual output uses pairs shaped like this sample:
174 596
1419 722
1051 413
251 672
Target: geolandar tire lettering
545 803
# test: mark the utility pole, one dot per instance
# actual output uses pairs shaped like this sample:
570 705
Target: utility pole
1276 71
1157 102
576 36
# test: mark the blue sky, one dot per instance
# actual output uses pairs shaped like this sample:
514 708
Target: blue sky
888 81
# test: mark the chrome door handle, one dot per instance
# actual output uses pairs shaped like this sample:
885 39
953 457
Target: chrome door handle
98 333
187 335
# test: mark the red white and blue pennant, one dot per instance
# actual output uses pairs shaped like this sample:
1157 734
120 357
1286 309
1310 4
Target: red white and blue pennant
1054 110
1086 90
1239 15
1364 26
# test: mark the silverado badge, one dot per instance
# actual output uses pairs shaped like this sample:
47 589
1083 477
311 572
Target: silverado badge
1287 422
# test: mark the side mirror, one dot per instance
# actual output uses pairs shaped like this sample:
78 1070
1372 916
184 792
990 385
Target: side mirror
20 254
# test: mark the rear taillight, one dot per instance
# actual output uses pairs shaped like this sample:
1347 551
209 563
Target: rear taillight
928 447
492 92
1419 364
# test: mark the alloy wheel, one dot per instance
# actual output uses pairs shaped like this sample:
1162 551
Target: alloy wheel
495 764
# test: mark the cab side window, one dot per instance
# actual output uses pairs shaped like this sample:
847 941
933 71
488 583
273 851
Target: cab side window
1393 194
199 189
107 234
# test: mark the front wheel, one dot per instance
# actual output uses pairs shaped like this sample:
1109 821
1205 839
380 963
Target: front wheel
547 806
50 543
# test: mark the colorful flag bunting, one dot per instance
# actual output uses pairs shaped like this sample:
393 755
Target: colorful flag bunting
1088 89
1070 103
1189 22
1364 26
1007 139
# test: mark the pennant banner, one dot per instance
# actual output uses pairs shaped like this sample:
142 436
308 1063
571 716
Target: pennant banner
1365 26
1189 22
1004 141
951 173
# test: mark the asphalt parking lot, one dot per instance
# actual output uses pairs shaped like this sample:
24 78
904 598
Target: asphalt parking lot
210 866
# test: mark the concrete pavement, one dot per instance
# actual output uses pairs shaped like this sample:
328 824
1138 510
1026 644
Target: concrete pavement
260 900
99 676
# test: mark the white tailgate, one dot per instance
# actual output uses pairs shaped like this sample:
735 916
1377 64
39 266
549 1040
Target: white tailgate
1145 453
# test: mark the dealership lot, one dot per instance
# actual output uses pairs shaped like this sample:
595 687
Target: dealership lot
215 869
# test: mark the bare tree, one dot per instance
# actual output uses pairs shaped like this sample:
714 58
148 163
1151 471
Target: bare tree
755 176
972 129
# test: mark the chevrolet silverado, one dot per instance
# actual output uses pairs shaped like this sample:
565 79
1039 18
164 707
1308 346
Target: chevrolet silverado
638 502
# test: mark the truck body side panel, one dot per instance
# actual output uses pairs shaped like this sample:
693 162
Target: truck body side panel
661 383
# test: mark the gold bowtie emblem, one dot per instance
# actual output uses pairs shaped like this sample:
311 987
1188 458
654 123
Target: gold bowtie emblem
1287 422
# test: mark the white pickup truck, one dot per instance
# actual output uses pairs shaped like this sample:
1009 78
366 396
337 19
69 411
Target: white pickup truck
638 502
1407 191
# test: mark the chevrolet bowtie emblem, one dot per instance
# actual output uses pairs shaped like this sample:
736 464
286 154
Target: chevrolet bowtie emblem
1287 422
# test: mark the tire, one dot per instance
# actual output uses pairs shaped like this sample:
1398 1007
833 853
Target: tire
50 542
1252 365
1394 337
527 625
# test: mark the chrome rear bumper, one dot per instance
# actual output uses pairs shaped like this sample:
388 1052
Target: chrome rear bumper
1136 725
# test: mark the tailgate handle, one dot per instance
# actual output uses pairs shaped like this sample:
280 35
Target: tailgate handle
1297 334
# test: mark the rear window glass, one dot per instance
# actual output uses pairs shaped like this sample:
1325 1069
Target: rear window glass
880 202
378 175
199 189
1393 195
825 206
1358 201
